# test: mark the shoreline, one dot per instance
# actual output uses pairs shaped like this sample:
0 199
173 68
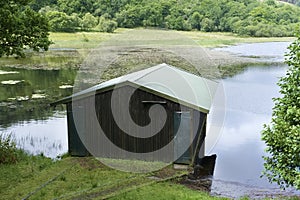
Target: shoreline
210 63
130 48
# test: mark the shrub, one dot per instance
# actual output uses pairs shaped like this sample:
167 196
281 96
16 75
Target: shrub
8 149
88 21
281 136
107 25
60 21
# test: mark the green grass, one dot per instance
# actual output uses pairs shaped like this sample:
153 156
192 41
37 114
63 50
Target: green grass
67 177
46 60
216 39
164 191
89 40
79 40
38 177
67 50
150 37
19 179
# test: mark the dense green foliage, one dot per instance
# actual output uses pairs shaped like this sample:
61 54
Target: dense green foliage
8 150
244 17
282 136
21 28
9 153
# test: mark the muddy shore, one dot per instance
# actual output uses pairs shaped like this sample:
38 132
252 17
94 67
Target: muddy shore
114 61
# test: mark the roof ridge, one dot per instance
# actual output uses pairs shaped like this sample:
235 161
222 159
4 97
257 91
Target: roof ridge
203 88
157 67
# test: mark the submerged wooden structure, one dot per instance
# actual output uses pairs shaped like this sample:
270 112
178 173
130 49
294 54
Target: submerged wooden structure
180 102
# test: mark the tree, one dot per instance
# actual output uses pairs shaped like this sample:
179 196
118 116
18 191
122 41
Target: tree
130 16
36 5
88 21
282 136
106 25
178 18
21 28
60 21
195 20
153 15
76 6
207 25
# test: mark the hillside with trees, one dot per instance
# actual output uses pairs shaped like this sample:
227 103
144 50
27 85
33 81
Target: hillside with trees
244 17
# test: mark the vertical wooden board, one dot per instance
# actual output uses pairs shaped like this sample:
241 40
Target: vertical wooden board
76 146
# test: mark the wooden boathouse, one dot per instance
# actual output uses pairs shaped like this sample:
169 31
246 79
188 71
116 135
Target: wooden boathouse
167 109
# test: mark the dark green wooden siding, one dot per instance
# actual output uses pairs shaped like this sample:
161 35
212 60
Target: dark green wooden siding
139 106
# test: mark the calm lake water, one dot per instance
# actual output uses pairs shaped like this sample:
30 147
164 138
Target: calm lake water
25 112
270 51
247 105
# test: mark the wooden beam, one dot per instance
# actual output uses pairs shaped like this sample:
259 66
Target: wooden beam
200 141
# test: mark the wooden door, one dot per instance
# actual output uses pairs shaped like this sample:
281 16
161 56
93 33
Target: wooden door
182 137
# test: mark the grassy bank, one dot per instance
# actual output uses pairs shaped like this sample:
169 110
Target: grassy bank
90 40
217 39
67 51
25 176
79 40
71 49
37 177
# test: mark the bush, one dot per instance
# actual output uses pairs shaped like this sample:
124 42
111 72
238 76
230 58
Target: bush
8 149
88 21
282 165
107 25
207 25
178 23
60 21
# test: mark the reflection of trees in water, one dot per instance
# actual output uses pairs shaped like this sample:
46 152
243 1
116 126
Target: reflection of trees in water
19 112
30 99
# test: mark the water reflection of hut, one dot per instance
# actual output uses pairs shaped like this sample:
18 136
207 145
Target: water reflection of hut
163 98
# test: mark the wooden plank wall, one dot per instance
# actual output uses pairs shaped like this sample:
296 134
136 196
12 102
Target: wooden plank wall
97 111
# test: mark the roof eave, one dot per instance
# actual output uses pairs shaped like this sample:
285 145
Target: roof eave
86 95
181 102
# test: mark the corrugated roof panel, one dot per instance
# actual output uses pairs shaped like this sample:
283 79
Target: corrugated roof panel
180 85
167 81
128 77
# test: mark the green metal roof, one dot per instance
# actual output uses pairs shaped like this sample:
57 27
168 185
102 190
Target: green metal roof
165 81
